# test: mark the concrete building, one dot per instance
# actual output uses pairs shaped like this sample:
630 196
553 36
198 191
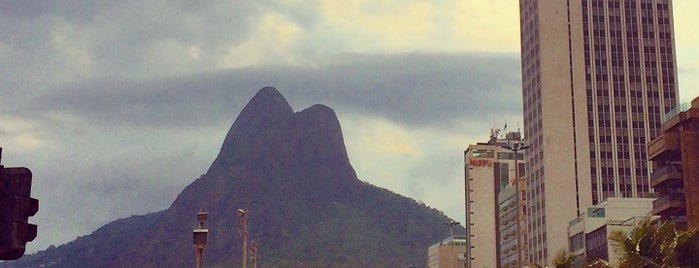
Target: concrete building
597 76
450 253
676 180
489 169
588 234
512 226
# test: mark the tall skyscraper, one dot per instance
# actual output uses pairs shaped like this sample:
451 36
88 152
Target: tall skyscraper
597 76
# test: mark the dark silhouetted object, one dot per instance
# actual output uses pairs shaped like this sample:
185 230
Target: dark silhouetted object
16 206
200 236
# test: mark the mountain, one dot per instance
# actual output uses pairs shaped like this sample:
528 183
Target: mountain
291 172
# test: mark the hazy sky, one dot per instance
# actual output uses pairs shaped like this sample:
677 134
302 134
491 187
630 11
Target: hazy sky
117 105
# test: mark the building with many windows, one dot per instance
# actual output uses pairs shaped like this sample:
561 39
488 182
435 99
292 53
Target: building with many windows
588 235
449 253
489 170
676 180
597 76
512 225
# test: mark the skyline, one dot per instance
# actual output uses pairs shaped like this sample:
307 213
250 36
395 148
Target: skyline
124 104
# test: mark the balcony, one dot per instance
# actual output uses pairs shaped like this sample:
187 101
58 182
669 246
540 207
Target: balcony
669 176
672 113
670 204
665 147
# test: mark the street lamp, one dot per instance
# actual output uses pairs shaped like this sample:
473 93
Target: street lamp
515 148
452 245
200 236
243 217
451 224
243 222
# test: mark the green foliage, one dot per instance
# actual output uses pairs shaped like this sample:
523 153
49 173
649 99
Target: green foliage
563 259
686 251
656 245
96 249
598 263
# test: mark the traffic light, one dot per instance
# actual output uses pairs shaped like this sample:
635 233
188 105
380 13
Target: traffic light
16 206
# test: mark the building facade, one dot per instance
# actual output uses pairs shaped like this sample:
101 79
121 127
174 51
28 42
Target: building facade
597 76
512 225
676 180
490 169
449 253
588 235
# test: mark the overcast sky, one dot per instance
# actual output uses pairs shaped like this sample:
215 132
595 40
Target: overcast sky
117 105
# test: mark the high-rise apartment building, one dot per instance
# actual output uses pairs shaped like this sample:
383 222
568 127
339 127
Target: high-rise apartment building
489 170
512 229
597 76
676 180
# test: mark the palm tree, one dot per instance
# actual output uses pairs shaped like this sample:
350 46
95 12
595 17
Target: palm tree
686 251
597 263
656 245
563 259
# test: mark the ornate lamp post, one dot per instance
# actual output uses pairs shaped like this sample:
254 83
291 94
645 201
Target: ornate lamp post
200 236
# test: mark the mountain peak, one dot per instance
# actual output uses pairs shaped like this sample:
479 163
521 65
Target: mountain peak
265 109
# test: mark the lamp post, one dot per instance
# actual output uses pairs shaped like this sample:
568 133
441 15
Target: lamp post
243 222
200 236
452 246
451 224
243 217
515 148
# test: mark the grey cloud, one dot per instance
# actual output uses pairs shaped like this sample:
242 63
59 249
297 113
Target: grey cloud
304 14
107 172
24 9
412 89
52 41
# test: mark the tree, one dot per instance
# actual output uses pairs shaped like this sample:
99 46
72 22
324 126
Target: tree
597 263
563 259
656 245
686 251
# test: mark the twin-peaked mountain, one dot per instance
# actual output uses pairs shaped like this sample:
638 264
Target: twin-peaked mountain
291 170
